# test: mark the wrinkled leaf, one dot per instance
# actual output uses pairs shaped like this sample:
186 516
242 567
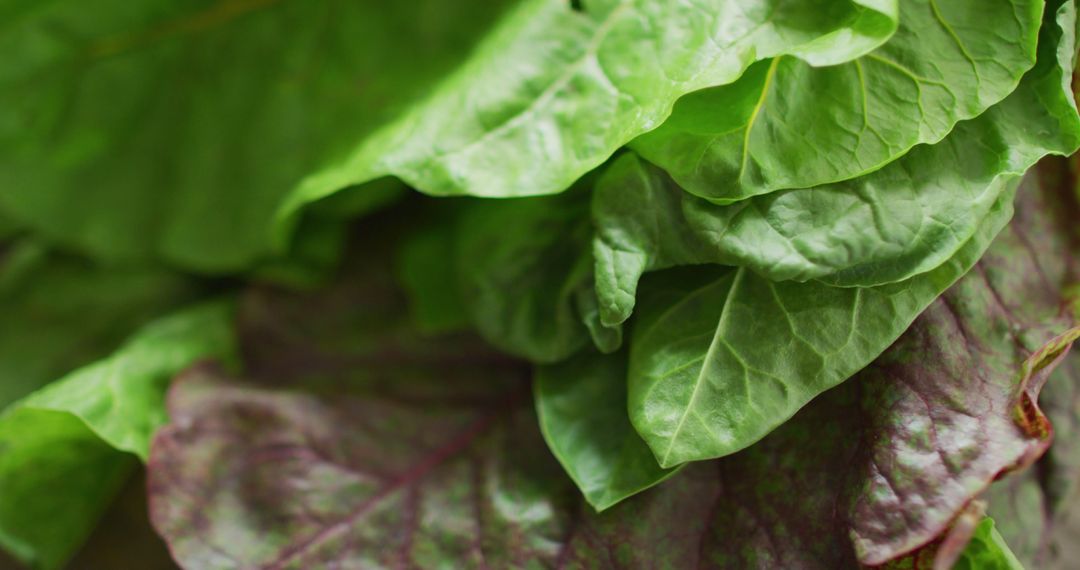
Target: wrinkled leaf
776 128
720 358
553 91
898 222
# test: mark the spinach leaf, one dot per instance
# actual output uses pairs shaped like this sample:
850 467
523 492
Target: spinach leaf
581 404
721 359
788 124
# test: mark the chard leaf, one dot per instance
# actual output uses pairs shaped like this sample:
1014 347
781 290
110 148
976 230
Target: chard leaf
891 225
788 124
720 358
325 456
389 447
581 404
553 92
66 449
1036 511
174 130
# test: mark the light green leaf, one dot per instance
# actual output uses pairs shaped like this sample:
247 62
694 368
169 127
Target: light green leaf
582 408
987 551
720 359
553 91
788 124
65 449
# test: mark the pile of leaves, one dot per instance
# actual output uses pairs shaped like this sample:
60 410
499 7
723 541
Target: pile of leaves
493 284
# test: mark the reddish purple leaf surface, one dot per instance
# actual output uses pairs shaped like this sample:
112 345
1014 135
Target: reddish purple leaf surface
354 444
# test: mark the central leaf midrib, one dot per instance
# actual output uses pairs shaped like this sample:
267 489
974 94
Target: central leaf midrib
705 367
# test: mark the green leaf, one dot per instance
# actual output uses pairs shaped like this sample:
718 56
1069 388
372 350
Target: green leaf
553 91
788 124
987 551
65 449
890 225
719 359
522 264
427 270
581 404
61 312
174 130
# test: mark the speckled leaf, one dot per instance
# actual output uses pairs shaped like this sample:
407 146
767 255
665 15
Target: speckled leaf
1036 511
787 124
1033 510
581 404
65 449
175 129
391 448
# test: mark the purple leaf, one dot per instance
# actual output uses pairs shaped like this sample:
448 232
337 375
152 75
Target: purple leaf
354 443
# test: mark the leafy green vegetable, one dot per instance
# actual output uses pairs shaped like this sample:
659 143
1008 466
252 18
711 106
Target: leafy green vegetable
987 550
523 263
175 130
61 312
65 449
703 384
553 92
427 270
898 222
582 408
391 448
776 129
768 237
